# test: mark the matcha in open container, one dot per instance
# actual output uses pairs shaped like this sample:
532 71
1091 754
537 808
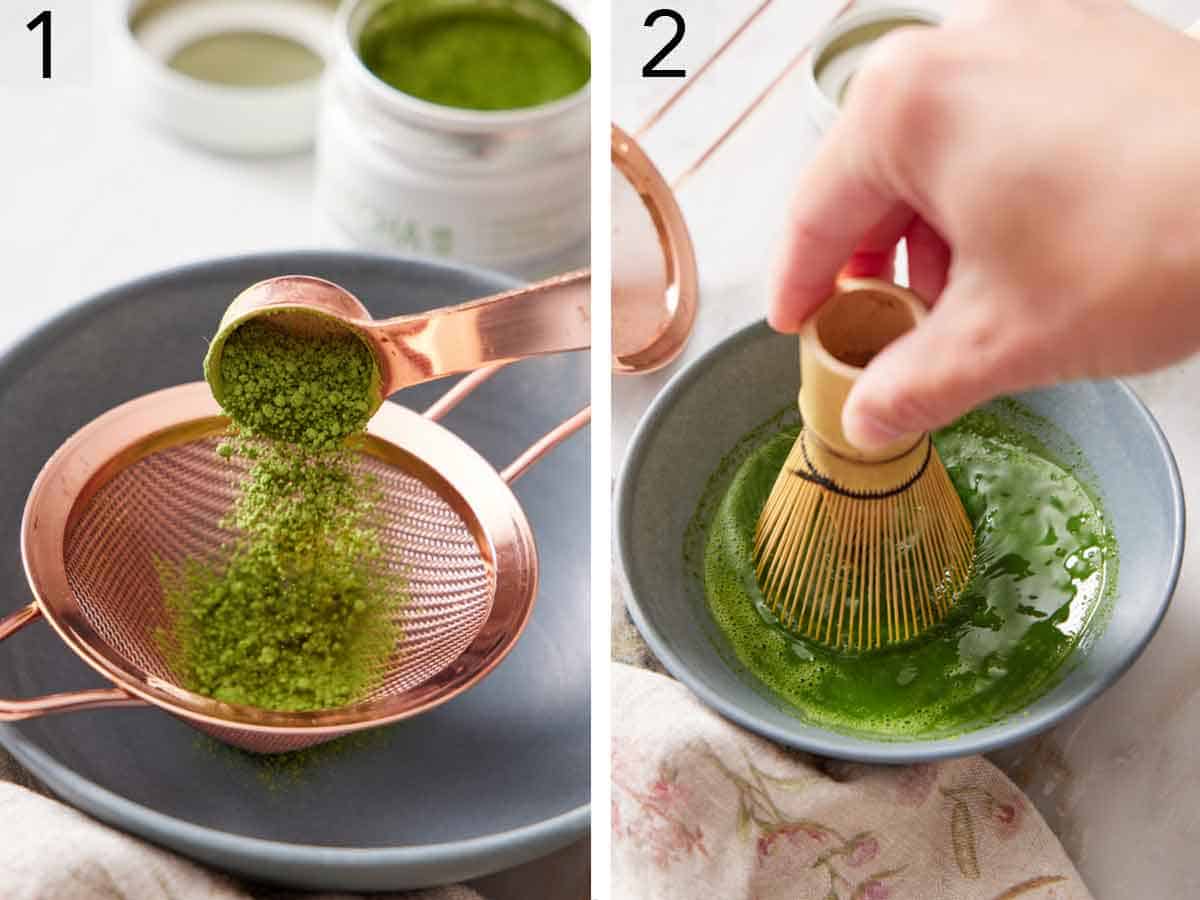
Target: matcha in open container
458 128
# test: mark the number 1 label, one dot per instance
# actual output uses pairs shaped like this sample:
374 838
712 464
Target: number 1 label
42 21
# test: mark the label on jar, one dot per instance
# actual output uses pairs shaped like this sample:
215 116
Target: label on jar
499 220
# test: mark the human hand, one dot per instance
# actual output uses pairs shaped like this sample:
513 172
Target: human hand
1043 162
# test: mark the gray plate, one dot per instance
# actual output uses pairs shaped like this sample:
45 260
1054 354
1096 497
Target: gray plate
492 779
709 406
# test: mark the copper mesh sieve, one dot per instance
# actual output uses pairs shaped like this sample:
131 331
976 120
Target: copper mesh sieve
142 483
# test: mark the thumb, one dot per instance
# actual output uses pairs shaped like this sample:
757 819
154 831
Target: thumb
950 363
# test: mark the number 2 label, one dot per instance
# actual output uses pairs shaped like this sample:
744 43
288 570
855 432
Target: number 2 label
650 69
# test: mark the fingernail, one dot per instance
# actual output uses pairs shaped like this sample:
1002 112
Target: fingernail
867 432
782 323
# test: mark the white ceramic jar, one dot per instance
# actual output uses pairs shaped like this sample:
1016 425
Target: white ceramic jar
396 173
239 119
840 49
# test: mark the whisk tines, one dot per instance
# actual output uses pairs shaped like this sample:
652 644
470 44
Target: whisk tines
860 569
854 549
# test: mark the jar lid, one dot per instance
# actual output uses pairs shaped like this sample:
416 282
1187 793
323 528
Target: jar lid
839 50
236 76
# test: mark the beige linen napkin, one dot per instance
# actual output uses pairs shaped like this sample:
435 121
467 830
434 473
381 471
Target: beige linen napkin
52 852
703 809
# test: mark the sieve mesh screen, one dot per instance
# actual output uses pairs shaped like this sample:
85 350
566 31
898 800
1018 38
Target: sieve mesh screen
169 505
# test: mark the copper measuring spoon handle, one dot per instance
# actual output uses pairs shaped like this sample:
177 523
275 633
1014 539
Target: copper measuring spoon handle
551 316
68 701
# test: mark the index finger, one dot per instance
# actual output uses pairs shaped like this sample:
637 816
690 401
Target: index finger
845 196
837 205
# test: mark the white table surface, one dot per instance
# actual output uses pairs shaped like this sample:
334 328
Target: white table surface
92 197
1118 781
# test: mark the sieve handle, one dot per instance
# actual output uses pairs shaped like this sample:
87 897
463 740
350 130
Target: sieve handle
460 391
545 444
14 710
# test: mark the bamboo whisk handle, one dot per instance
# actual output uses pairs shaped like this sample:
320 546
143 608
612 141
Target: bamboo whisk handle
859 320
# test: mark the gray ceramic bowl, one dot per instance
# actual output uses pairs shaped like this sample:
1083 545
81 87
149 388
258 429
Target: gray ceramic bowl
494 778
709 406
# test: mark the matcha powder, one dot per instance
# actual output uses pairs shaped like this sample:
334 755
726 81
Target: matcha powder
310 390
298 610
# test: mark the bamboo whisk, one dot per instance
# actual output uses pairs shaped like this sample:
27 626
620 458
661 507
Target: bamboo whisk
859 549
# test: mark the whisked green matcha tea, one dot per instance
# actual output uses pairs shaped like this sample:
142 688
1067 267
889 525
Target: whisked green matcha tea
1045 568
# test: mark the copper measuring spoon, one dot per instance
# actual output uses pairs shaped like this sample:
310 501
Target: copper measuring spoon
550 316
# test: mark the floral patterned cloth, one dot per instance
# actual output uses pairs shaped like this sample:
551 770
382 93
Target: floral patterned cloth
52 852
702 809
